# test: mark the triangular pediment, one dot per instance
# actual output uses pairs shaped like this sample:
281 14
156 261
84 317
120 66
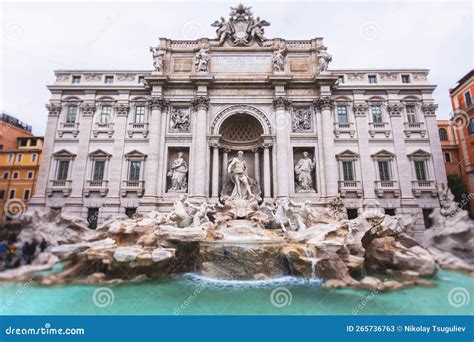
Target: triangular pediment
100 154
64 153
135 155
383 154
347 154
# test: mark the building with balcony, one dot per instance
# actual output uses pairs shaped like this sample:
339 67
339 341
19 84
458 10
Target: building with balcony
120 141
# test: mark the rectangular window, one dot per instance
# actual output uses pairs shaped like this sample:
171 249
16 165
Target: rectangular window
342 114
99 169
76 79
31 175
372 79
109 79
352 213
130 212
467 97
71 114
348 170
26 194
390 211
470 127
15 175
411 113
384 171
405 78
105 114
134 171
2 194
141 79
92 217
10 158
376 114
140 114
19 158
12 194
447 157
340 79
420 170
63 170
33 157
5 175
23 142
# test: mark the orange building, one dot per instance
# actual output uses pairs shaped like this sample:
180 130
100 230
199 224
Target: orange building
463 128
11 129
20 154
450 147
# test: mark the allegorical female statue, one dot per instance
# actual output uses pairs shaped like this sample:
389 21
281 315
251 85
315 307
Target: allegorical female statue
304 169
237 171
178 173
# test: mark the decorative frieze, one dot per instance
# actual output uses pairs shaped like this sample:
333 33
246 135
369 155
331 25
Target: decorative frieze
301 120
324 103
126 77
355 76
180 119
200 102
388 76
93 77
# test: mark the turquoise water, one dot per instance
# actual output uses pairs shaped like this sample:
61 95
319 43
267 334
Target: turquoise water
193 295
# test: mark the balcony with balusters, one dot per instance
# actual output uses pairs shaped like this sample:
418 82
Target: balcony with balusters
103 128
137 128
424 186
100 186
344 128
383 187
376 128
347 187
133 186
414 127
59 185
68 128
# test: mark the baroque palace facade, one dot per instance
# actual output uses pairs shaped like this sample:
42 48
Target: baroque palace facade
136 140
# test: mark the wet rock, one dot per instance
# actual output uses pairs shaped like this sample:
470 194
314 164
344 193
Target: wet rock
127 254
181 234
162 254
370 283
330 266
301 259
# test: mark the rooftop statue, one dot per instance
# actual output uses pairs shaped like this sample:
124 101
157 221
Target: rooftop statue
241 28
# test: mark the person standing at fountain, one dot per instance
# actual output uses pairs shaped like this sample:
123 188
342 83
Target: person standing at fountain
237 171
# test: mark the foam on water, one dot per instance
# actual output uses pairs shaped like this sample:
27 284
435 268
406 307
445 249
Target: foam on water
287 281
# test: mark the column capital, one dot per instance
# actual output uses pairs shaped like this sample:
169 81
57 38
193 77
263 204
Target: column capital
88 109
324 102
214 144
394 109
200 102
429 109
54 109
360 109
122 109
158 102
281 102
267 144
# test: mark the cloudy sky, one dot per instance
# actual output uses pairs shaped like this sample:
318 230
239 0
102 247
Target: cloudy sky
40 37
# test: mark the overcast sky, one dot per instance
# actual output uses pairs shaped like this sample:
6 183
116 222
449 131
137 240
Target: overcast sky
40 37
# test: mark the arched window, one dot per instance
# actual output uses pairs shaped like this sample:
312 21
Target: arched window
443 134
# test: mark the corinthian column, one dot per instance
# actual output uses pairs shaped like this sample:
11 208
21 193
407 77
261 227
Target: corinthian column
152 174
266 170
282 124
201 105
215 170
325 104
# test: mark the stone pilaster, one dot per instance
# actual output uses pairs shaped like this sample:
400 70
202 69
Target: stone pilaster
200 148
282 125
266 171
152 172
325 104
429 111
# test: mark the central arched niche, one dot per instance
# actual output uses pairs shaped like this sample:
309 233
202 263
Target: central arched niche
242 132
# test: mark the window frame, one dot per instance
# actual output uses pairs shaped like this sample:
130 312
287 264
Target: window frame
411 115
468 98
448 159
372 106
444 135
142 115
76 79
388 170
69 114
406 78
372 79
108 79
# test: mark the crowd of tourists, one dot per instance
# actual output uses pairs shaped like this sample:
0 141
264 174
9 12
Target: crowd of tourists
11 256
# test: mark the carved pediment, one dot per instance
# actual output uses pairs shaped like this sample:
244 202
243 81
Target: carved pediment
100 154
419 154
135 155
347 155
63 154
383 154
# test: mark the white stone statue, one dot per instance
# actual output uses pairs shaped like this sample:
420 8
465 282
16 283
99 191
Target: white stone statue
179 120
202 60
324 58
178 173
278 59
158 58
303 170
238 174
223 29
257 30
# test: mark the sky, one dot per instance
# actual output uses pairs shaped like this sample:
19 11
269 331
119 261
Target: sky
38 38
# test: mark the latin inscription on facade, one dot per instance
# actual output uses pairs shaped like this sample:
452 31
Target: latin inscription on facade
241 63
